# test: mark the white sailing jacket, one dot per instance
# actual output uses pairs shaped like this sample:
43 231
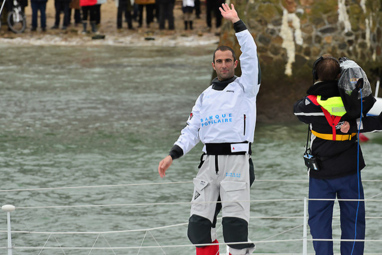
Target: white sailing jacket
228 115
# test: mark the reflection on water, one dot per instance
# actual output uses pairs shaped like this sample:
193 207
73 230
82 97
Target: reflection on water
93 116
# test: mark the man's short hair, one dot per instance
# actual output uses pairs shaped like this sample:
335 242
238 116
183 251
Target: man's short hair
326 68
224 48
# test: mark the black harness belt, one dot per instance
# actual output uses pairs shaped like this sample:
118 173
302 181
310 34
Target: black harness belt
227 148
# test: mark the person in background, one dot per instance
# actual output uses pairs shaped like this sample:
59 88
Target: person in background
223 119
124 7
38 6
61 6
75 5
166 12
89 10
335 148
98 12
197 9
23 4
135 11
149 5
188 8
212 7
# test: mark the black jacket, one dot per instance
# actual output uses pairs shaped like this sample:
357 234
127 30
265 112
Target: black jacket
337 158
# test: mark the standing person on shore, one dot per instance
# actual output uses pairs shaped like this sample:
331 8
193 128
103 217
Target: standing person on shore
61 6
38 6
98 12
166 12
23 4
149 5
223 119
188 8
338 159
212 7
197 9
124 7
75 5
89 9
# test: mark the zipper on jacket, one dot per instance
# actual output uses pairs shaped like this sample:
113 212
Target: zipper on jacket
245 121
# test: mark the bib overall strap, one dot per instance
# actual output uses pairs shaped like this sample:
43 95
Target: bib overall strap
332 120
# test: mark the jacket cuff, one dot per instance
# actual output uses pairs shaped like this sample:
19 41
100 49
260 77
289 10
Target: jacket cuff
175 152
239 26
353 127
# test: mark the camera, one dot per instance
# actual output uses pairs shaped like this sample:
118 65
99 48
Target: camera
311 162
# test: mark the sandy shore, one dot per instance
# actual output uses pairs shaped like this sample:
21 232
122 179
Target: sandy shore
152 36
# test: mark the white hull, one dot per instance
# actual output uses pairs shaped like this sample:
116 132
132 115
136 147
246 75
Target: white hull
374 111
377 108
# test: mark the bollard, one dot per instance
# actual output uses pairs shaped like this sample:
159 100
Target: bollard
9 209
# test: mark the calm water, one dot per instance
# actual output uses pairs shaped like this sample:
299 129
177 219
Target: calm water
95 117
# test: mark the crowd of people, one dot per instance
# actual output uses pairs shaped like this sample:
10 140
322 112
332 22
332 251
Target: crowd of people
86 14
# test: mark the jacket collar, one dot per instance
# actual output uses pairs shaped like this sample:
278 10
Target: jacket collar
325 89
220 85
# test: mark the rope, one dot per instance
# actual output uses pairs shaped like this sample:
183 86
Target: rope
186 245
98 232
286 231
188 203
157 243
147 247
377 195
56 242
349 200
95 186
106 242
151 204
156 228
142 184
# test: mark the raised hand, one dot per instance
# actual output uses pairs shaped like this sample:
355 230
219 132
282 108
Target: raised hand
229 13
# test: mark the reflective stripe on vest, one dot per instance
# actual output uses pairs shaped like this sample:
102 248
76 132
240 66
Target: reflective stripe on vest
333 105
330 136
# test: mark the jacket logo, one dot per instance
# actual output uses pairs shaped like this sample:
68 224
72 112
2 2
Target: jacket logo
230 91
222 118
197 194
235 175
